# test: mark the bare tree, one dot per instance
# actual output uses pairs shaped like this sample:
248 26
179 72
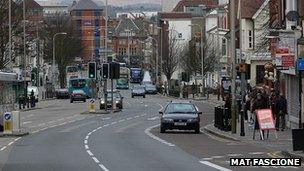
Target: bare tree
171 57
191 61
67 47
16 21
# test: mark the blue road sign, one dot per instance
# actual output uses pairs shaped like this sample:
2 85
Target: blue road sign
7 116
301 64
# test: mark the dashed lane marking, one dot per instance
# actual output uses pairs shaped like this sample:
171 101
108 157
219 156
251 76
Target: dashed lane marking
256 153
234 155
154 118
86 146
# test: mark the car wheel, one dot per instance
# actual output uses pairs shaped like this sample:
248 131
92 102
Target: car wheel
84 100
144 96
162 129
101 108
197 130
71 101
132 96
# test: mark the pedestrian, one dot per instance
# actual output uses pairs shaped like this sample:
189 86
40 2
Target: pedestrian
193 90
32 99
281 106
21 101
258 103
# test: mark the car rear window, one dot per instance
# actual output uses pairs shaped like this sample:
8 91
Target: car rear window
180 108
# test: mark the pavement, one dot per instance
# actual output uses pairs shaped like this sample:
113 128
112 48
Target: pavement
282 145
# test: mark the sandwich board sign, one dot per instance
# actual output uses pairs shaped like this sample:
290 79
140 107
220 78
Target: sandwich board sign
266 121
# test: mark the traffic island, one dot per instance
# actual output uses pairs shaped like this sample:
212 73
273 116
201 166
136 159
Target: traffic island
14 134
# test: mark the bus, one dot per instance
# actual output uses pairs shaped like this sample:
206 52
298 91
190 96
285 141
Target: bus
136 75
84 84
124 77
71 73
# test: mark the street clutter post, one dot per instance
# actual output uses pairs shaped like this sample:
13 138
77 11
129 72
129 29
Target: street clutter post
16 121
8 123
92 106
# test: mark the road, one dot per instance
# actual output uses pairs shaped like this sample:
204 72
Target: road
63 139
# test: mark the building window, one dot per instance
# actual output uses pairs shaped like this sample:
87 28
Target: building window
96 13
97 24
250 38
133 51
224 47
78 13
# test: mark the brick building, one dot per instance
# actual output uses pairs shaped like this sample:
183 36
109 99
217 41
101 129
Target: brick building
88 23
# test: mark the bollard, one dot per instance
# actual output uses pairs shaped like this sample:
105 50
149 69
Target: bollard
114 106
16 121
7 123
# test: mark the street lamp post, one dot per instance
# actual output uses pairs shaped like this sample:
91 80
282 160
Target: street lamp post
202 55
54 54
156 60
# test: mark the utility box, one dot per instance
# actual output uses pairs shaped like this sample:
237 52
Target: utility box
16 121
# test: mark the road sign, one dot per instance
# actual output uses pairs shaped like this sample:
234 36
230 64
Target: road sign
301 64
7 119
92 100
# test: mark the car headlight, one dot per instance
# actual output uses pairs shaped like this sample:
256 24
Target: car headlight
117 101
102 101
167 120
192 120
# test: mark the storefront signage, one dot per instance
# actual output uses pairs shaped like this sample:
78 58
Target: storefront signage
301 64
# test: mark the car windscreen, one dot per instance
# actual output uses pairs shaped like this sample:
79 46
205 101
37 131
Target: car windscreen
78 92
116 95
78 83
150 87
180 108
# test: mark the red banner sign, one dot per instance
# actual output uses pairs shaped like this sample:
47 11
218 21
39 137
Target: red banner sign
265 119
288 60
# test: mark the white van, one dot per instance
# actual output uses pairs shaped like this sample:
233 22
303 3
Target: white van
36 92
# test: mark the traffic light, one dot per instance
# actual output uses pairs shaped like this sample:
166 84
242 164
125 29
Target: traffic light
114 70
92 70
105 71
242 67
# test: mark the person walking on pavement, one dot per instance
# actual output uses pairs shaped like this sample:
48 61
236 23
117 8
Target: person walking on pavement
281 106
32 99
258 103
193 90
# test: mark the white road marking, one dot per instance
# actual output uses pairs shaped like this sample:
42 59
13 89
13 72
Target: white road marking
85 141
103 167
90 153
256 153
113 123
147 132
214 166
35 131
154 118
95 159
3 148
106 125
86 146
106 118
234 155
146 105
87 137
207 158
41 124
217 157
28 122
10 143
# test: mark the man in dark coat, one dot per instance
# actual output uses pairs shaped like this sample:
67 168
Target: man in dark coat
281 107
258 103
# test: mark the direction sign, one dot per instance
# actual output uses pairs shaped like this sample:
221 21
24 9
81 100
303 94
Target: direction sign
7 116
92 100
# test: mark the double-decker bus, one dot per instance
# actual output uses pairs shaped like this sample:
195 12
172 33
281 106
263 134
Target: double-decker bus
136 75
71 73
84 84
124 77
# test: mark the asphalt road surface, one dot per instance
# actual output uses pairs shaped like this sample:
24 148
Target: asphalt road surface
127 141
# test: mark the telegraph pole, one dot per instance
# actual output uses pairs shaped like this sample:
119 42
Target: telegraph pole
10 34
233 69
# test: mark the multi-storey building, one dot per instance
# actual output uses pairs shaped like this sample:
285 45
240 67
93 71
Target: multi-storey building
89 25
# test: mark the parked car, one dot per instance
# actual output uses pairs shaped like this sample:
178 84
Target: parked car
181 115
63 93
117 98
138 91
150 89
35 90
78 95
